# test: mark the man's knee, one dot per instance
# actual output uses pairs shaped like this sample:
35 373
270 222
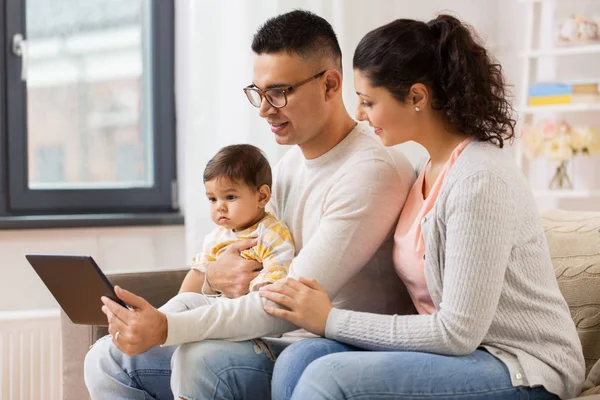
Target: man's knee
222 369
196 369
207 359
197 356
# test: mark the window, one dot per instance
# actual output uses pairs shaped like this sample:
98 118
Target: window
49 164
87 107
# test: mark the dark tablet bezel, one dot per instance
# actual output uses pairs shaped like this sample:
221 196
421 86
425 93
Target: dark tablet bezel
39 260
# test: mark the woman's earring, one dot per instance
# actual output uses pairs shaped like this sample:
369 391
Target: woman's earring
417 108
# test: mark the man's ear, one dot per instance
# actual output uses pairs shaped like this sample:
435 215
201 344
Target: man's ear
333 83
264 195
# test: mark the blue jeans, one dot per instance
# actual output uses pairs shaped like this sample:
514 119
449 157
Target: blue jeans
211 369
304 371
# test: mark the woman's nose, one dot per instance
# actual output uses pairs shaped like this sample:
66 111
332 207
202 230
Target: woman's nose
360 114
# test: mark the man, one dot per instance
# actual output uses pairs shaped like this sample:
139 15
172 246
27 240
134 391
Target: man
339 191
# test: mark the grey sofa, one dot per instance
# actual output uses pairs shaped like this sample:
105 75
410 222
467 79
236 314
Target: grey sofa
574 240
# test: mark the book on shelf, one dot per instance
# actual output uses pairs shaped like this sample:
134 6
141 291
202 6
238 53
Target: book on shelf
550 89
582 98
591 88
550 93
550 100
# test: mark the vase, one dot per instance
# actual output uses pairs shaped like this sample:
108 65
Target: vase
561 180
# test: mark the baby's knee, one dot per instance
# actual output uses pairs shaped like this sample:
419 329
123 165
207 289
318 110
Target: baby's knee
96 363
184 302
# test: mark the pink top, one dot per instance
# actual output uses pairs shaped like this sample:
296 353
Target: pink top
409 247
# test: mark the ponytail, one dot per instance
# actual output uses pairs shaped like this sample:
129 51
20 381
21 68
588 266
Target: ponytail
467 84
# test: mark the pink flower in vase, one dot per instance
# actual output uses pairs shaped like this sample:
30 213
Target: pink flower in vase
549 130
532 142
552 129
564 128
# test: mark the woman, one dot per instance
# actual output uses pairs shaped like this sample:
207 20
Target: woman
469 246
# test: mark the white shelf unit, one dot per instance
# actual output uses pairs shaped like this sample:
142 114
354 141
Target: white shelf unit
563 51
541 49
544 1
566 194
560 108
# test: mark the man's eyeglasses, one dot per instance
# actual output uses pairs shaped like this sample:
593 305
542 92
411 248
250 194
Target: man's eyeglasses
277 97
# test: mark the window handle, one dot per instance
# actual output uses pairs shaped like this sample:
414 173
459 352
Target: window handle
19 49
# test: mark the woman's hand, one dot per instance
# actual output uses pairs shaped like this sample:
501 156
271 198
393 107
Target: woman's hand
307 302
135 330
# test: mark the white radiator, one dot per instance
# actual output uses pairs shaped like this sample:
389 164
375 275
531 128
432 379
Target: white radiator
30 355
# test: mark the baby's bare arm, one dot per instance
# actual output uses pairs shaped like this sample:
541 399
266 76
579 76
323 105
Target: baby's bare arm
193 282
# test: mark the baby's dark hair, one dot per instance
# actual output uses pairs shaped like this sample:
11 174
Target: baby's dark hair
444 54
240 162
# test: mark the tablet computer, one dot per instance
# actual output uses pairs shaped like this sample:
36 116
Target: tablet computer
77 283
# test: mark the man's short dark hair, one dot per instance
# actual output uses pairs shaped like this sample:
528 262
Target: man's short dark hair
240 163
301 32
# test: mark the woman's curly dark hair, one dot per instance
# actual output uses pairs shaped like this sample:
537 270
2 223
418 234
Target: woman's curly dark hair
467 83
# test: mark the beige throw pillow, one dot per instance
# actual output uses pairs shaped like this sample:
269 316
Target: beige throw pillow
574 241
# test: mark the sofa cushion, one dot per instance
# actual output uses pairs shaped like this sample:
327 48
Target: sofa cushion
574 241
590 386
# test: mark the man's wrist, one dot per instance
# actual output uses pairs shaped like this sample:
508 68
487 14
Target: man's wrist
207 287
164 329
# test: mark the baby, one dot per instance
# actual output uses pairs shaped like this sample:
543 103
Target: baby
238 187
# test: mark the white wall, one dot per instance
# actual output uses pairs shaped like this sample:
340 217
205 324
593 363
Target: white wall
114 249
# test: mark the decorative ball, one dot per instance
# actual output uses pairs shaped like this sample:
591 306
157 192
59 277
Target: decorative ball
569 29
588 30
